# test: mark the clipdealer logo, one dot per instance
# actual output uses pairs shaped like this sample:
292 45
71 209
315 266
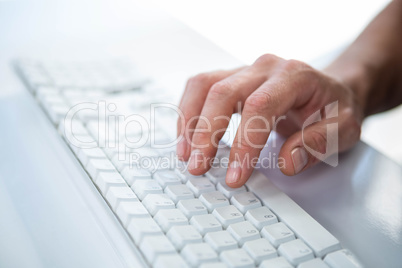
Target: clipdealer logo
331 111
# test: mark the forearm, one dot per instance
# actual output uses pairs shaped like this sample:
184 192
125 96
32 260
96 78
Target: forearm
372 64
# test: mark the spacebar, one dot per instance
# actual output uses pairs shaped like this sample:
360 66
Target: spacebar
303 225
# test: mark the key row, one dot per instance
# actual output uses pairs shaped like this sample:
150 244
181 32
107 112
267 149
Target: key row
196 250
101 169
214 202
167 181
82 77
160 252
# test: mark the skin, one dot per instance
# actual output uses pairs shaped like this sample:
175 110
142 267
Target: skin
365 79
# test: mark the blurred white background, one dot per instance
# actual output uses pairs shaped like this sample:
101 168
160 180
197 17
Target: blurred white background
289 28
305 30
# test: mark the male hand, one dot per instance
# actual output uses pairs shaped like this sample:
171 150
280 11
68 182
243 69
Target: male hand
269 88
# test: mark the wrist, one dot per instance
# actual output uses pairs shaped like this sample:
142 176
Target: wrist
358 78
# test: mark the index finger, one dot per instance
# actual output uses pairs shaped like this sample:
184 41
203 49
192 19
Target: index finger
191 104
271 100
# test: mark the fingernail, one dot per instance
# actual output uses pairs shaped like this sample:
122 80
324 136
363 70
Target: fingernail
299 158
181 147
234 172
196 159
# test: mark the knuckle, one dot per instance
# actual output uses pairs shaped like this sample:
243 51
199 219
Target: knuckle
188 119
266 59
200 136
352 124
220 90
294 64
319 140
258 101
200 139
197 81
245 145
199 78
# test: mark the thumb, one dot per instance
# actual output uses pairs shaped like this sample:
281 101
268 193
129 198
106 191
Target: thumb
305 148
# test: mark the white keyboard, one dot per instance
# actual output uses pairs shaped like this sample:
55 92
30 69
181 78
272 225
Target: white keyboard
174 218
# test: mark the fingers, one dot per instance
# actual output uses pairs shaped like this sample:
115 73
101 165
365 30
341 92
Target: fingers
261 108
320 141
219 106
267 90
290 88
222 101
191 105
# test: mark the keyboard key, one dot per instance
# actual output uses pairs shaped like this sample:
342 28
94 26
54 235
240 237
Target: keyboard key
153 246
261 217
179 192
155 202
243 232
169 261
228 215
315 263
139 228
221 241
121 161
166 177
78 142
95 166
245 201
342 258
196 254
57 113
216 174
74 127
35 76
106 180
132 174
166 218
183 235
43 92
214 200
185 175
97 128
84 155
200 186
86 115
75 99
237 258
50 99
222 155
112 148
131 210
144 187
192 207
146 153
115 195
166 152
276 263
296 252
206 223
260 250
304 226
277 233
229 191
214 265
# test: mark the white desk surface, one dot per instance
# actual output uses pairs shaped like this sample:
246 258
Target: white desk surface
360 201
